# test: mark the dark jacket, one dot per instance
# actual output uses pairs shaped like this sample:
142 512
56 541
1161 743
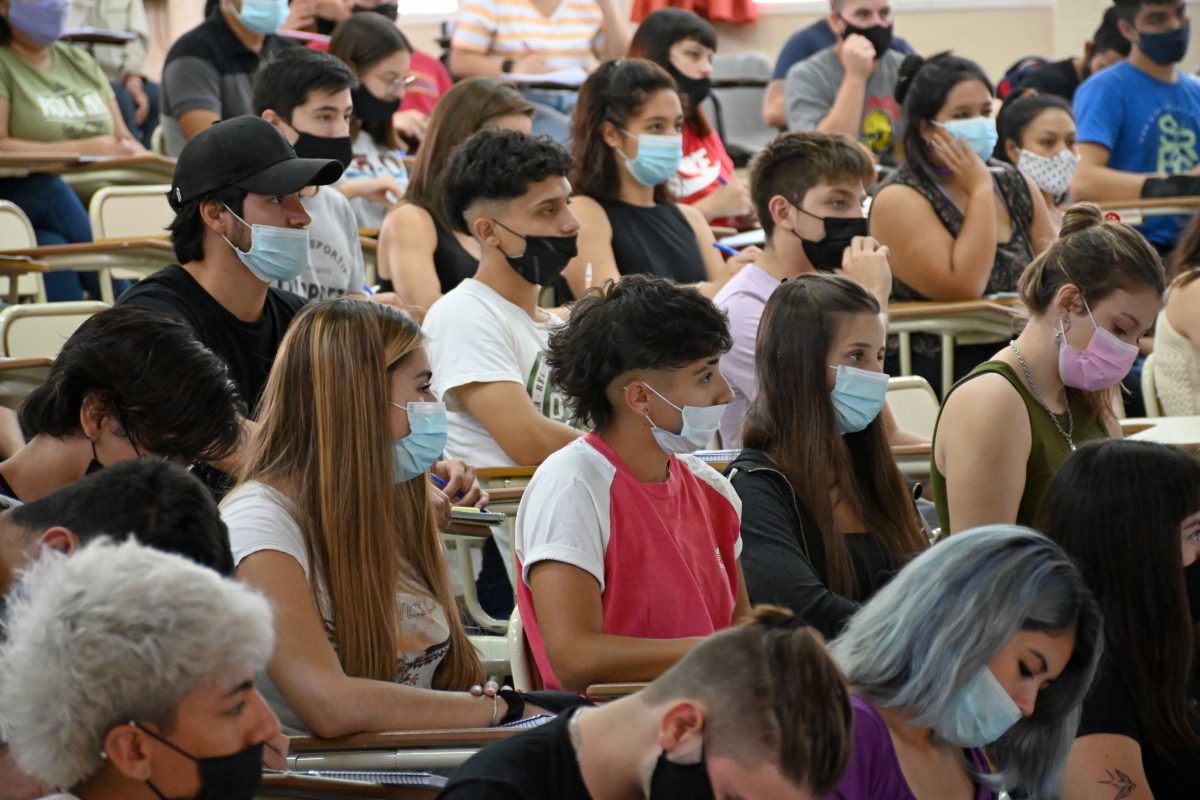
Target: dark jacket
783 551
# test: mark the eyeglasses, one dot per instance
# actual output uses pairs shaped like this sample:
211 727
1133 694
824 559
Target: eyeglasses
397 85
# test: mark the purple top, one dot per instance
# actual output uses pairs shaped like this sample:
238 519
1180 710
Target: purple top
743 299
874 771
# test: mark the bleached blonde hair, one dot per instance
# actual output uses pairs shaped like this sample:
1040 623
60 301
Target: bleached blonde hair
113 633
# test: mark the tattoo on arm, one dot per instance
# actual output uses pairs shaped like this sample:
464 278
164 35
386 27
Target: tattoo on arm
1121 782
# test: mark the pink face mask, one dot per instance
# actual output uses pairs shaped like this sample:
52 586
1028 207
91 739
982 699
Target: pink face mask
1101 366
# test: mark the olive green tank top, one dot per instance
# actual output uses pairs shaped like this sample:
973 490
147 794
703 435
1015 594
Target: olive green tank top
1049 447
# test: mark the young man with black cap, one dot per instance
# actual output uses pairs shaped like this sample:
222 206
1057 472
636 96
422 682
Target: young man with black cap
487 337
239 227
850 88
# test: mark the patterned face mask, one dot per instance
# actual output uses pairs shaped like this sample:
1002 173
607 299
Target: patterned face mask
1052 174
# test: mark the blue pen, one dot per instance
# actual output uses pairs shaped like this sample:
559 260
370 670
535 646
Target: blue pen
368 289
721 180
724 248
441 484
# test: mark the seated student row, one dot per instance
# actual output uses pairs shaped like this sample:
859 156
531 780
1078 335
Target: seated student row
660 409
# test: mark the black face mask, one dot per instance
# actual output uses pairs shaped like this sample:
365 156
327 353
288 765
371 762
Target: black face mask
545 257
879 35
232 777
337 148
386 10
826 254
370 108
694 89
682 781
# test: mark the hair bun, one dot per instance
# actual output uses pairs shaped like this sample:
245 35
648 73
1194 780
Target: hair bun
909 68
1079 217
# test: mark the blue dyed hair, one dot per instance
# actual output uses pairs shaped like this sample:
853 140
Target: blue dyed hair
947 614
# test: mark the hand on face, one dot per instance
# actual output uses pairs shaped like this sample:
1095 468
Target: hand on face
857 55
967 169
866 262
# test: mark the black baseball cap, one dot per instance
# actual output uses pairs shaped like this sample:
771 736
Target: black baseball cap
246 152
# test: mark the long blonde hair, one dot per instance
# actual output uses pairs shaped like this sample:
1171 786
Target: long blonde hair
324 434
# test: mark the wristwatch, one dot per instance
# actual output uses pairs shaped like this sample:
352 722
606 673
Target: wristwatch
506 66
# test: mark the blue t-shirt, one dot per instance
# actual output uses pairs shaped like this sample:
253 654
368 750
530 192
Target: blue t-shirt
1147 126
803 43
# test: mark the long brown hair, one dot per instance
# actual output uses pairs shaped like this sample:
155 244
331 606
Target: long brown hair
462 111
793 420
1184 265
1099 256
616 93
323 433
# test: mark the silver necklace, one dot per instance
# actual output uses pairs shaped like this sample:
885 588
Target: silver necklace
1037 395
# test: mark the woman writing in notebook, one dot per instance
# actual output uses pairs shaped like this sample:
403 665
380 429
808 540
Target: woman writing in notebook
332 521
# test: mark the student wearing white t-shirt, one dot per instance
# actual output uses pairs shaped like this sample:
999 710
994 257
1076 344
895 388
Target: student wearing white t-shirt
627 546
332 521
487 336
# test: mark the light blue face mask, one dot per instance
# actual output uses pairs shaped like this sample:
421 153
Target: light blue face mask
982 713
414 454
858 396
658 157
276 254
263 16
978 132
700 424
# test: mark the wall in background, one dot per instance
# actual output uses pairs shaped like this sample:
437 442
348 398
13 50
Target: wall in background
995 37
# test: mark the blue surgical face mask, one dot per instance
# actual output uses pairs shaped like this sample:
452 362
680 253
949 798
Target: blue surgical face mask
981 714
414 454
43 21
1168 47
658 157
276 254
700 424
978 132
858 396
263 16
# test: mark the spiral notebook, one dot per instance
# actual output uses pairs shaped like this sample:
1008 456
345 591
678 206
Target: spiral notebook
426 780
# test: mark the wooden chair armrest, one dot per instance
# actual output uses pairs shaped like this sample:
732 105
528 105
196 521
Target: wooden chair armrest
609 691
401 740
25 363
912 450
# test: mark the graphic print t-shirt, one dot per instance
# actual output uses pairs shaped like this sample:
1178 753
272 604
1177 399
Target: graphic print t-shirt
67 101
476 336
705 164
1146 125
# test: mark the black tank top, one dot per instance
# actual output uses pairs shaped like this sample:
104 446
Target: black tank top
451 260
657 240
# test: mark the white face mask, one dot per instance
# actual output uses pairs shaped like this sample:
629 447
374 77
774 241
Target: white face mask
1052 174
700 424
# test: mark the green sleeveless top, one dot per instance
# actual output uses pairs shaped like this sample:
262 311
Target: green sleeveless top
1048 451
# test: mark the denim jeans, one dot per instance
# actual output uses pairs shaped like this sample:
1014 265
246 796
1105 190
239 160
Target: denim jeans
58 217
128 107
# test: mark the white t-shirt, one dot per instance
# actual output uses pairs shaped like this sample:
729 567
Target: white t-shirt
335 255
262 518
476 336
370 160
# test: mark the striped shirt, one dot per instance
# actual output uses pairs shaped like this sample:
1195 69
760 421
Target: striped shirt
514 28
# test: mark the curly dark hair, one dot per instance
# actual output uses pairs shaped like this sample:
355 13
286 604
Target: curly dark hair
170 393
642 322
498 165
